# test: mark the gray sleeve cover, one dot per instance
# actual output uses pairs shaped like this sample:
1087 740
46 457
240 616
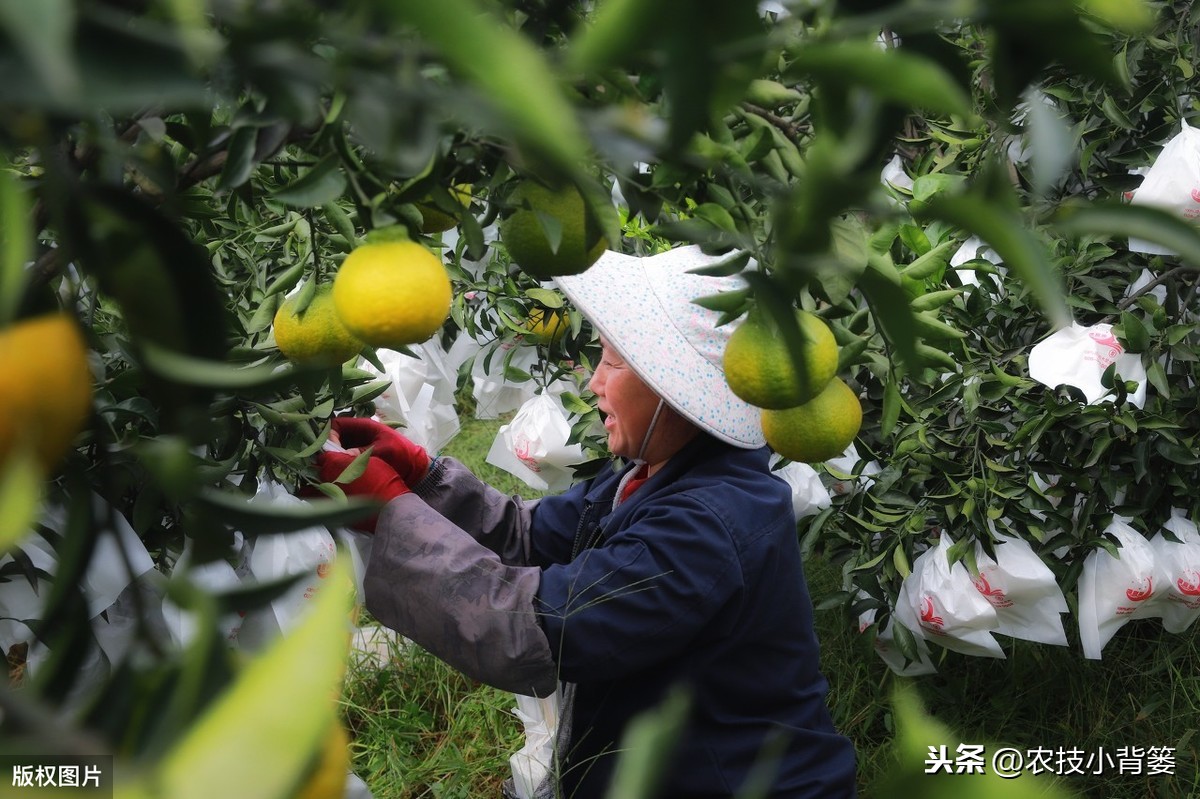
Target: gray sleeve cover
432 582
498 521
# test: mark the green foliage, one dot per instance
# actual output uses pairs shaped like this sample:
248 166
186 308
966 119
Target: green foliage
173 170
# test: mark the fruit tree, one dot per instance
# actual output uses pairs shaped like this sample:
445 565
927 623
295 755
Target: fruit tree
205 191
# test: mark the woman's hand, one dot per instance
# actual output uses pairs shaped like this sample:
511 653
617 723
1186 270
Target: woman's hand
379 481
355 434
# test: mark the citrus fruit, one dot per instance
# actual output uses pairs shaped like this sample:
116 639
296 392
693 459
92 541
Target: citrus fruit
819 429
316 337
546 327
392 293
524 232
434 219
45 386
328 781
761 370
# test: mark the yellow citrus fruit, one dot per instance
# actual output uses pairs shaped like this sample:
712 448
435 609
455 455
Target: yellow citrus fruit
546 328
434 219
525 237
45 387
329 779
392 293
316 337
819 429
761 370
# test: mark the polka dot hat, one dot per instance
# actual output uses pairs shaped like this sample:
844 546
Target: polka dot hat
643 307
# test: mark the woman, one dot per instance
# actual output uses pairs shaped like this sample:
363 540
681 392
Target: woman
680 567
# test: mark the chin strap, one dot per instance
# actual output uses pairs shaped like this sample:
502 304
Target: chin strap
649 432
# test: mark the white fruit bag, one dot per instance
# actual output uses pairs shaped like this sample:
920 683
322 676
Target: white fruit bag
889 653
421 395
809 495
939 603
972 249
1113 590
494 393
216 577
1023 590
1078 356
1180 565
531 764
1172 183
306 553
533 446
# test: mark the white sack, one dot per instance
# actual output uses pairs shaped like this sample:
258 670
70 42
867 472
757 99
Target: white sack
1078 356
809 495
531 764
941 604
1180 564
889 653
1023 590
1172 183
1113 590
421 395
533 446
494 393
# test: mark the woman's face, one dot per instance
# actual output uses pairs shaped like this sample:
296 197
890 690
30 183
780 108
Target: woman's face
628 405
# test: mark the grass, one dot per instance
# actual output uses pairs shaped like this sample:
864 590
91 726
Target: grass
423 730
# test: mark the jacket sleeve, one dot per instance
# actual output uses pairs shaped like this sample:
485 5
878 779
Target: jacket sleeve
499 522
429 580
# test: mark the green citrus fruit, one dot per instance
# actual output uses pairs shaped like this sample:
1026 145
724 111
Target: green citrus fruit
45 386
434 219
760 369
546 327
819 429
392 293
524 232
316 337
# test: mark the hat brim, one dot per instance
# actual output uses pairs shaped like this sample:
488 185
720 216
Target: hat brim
627 300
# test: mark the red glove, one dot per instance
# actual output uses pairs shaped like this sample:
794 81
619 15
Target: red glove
379 481
410 461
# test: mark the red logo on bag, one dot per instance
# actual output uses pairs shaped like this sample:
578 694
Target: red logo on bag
929 618
993 595
1141 594
1196 195
323 570
1190 588
521 450
1104 338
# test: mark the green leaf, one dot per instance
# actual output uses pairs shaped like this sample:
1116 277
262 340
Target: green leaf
322 184
907 79
255 518
646 747
189 371
1111 220
260 735
43 32
20 496
16 242
1134 332
1020 249
891 409
546 297
509 71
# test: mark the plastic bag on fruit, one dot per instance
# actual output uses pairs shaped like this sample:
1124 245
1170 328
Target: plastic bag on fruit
534 445
421 397
809 495
532 763
306 554
841 469
1180 564
1172 183
970 250
889 653
940 603
1078 356
1113 590
494 393
216 577
1020 586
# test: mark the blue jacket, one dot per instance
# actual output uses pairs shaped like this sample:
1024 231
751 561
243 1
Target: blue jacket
696 579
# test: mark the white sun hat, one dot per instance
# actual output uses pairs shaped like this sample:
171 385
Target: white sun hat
644 308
